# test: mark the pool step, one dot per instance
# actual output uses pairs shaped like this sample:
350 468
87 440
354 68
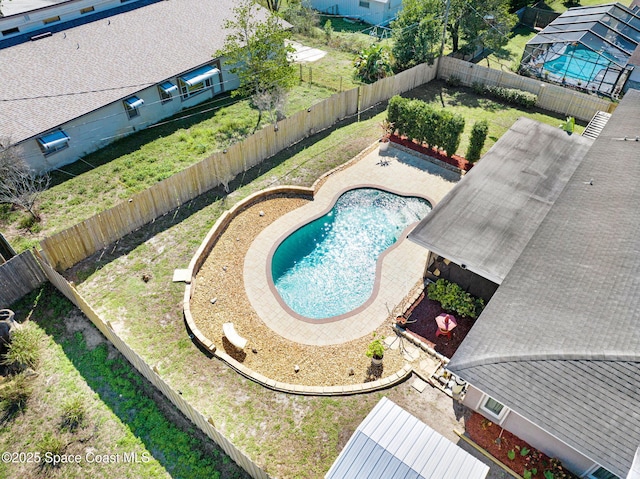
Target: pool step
596 125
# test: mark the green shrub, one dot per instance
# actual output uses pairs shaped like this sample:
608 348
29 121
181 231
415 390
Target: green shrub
476 142
24 349
453 298
73 413
508 95
420 121
373 63
453 81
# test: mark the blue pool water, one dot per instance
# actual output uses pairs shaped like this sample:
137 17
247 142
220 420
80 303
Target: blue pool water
577 62
328 267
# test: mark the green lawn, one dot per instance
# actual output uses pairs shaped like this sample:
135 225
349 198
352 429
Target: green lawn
508 57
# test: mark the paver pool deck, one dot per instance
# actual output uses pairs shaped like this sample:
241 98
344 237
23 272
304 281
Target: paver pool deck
401 268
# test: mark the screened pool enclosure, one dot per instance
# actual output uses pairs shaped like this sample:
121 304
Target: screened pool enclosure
587 48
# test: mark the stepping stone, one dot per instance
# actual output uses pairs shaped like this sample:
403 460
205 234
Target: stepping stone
419 385
181 276
392 342
429 365
411 353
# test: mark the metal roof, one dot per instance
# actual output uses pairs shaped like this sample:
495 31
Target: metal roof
488 218
559 342
393 444
73 72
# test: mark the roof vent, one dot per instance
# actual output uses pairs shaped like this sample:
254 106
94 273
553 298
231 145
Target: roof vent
42 35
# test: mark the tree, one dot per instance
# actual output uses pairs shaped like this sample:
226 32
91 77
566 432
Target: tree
273 5
258 54
19 184
417 32
373 63
480 23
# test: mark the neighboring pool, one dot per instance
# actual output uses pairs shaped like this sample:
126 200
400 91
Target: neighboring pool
579 63
328 267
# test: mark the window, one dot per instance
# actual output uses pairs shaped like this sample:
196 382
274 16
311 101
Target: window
197 81
364 4
87 10
602 473
493 407
166 90
132 105
52 142
47 21
10 31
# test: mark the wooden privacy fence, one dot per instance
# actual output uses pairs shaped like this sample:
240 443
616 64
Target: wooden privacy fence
19 276
76 243
550 97
152 375
402 82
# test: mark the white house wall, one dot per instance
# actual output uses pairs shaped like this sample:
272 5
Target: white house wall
532 434
105 125
377 12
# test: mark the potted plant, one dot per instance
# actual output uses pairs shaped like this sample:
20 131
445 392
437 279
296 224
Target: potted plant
387 131
375 350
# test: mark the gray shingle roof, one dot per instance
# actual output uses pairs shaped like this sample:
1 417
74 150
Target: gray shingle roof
111 58
559 342
499 204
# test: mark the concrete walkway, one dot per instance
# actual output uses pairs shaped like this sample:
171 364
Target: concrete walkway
402 266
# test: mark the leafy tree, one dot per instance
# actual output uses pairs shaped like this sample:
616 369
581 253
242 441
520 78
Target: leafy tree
19 184
417 32
480 23
258 53
273 5
373 63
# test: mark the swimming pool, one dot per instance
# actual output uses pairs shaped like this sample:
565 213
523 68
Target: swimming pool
579 63
328 267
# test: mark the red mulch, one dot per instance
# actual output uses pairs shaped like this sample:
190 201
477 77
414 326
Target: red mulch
453 160
486 433
421 322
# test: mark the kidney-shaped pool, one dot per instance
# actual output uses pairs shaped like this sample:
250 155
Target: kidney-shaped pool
327 267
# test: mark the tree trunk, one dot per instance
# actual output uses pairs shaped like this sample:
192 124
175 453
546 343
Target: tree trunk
454 29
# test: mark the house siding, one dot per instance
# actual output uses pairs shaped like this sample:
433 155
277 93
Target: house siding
534 435
105 125
378 12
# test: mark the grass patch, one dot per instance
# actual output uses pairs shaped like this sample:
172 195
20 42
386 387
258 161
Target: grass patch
561 6
87 399
508 57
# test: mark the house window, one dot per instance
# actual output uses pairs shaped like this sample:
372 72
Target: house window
364 4
10 31
166 91
602 473
87 10
52 142
132 105
47 21
493 407
197 81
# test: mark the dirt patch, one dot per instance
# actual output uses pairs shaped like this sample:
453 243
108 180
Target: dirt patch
76 321
221 277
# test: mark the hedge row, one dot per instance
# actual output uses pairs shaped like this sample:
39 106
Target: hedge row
419 121
509 95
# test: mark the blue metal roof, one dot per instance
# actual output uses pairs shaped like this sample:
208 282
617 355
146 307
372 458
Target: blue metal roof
199 75
393 444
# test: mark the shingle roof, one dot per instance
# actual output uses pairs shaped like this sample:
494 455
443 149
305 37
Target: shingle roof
393 444
499 204
559 342
107 59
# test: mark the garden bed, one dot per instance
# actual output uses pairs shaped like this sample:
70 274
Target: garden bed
513 451
453 160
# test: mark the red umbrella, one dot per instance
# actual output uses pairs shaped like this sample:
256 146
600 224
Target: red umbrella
446 322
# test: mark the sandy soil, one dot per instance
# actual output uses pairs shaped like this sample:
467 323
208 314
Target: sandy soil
267 353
